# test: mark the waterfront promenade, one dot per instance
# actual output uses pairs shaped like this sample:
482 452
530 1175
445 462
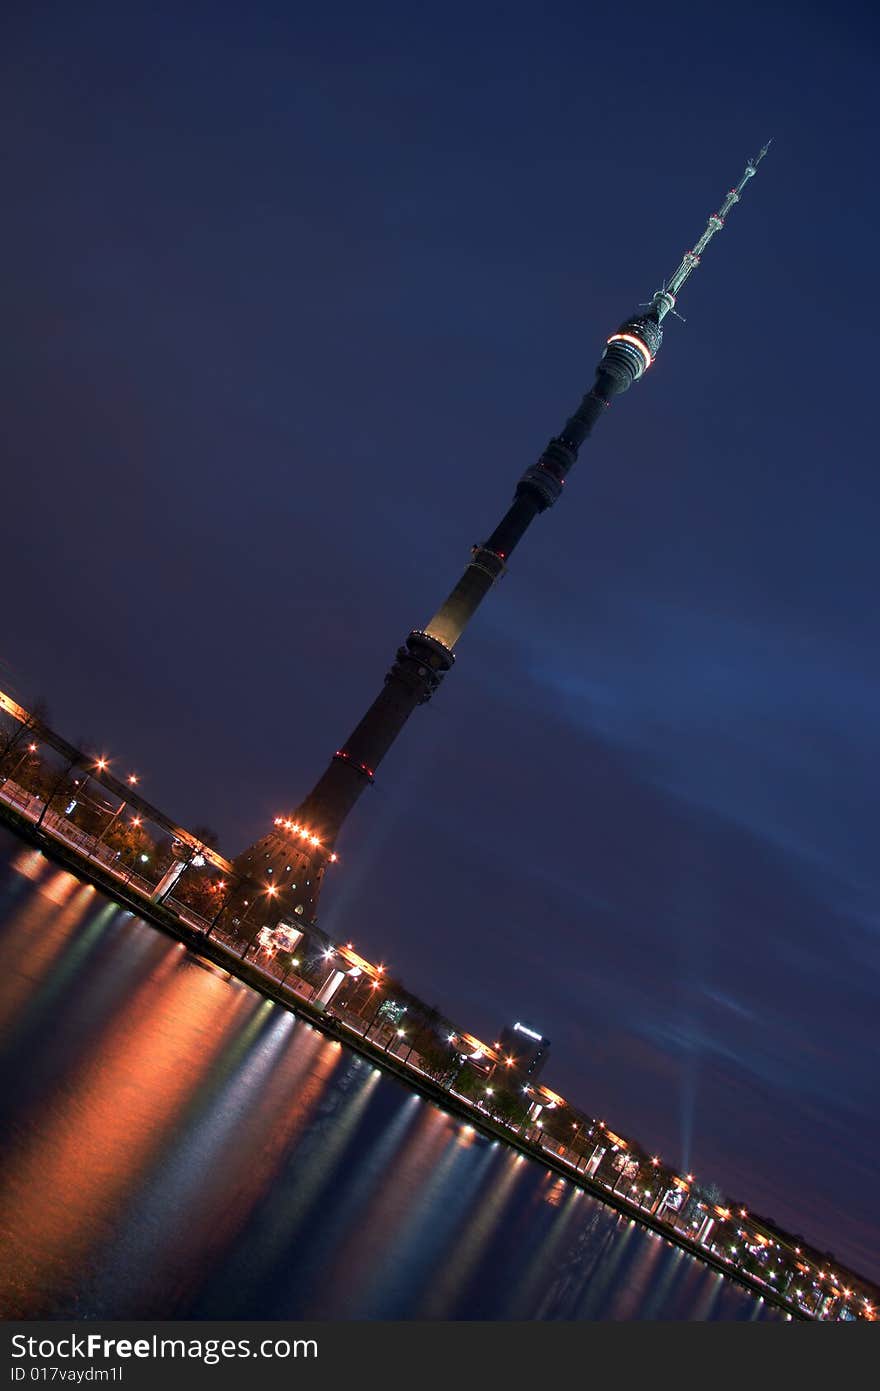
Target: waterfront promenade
89 857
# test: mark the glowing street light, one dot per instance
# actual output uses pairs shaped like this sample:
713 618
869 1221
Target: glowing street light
7 777
396 1034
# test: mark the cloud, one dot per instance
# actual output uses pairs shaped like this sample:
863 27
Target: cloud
773 732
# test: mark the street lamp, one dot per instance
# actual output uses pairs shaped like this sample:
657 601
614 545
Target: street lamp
294 961
131 779
375 1014
31 749
225 902
270 890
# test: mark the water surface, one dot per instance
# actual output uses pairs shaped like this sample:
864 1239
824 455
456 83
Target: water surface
176 1146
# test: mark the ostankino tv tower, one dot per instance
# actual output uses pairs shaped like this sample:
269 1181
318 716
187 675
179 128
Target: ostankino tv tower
295 853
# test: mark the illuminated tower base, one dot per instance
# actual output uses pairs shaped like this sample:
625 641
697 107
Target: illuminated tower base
289 859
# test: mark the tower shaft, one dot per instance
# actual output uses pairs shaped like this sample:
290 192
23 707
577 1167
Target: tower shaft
294 855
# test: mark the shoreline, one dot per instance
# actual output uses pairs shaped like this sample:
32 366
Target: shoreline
334 1028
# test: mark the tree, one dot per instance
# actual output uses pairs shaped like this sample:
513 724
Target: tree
129 841
315 965
91 813
470 1083
509 1107
15 737
356 994
558 1123
199 891
233 904
206 836
56 787
21 766
439 1059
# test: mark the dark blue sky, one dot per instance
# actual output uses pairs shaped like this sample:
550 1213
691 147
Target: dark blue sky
289 303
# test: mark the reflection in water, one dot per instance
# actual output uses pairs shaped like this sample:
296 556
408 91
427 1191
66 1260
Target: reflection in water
178 1146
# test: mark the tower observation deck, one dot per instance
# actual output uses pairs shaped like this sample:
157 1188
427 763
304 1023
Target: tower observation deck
294 854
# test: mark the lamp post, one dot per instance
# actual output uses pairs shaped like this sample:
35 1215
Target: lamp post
316 989
237 887
294 961
271 891
621 1175
411 1047
375 1013
142 859
7 777
657 1187
577 1127
131 779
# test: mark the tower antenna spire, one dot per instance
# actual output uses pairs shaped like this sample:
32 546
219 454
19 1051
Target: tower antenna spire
664 299
292 858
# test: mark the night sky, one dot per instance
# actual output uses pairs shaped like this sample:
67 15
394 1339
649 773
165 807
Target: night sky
289 303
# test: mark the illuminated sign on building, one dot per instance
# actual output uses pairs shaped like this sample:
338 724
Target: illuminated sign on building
521 1028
